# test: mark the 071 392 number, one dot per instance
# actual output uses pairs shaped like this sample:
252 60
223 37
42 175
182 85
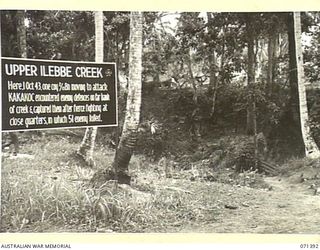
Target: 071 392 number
309 246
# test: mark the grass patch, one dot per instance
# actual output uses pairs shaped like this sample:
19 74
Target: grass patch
51 193
296 165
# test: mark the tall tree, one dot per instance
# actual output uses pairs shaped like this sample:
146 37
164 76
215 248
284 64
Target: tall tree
189 32
133 107
294 94
251 109
87 145
213 83
22 33
311 149
22 48
272 48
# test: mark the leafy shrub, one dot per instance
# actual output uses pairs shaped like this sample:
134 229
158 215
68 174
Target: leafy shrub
315 115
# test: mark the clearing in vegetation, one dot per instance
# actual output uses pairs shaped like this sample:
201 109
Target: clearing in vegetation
48 190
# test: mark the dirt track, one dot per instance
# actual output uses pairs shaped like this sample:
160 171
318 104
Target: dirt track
286 208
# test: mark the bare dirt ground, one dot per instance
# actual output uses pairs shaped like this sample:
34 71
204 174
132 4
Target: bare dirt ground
286 208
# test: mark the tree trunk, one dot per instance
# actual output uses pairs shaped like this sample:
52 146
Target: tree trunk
222 58
22 33
293 104
22 47
293 80
259 44
133 107
272 46
87 145
311 149
193 82
251 109
213 83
